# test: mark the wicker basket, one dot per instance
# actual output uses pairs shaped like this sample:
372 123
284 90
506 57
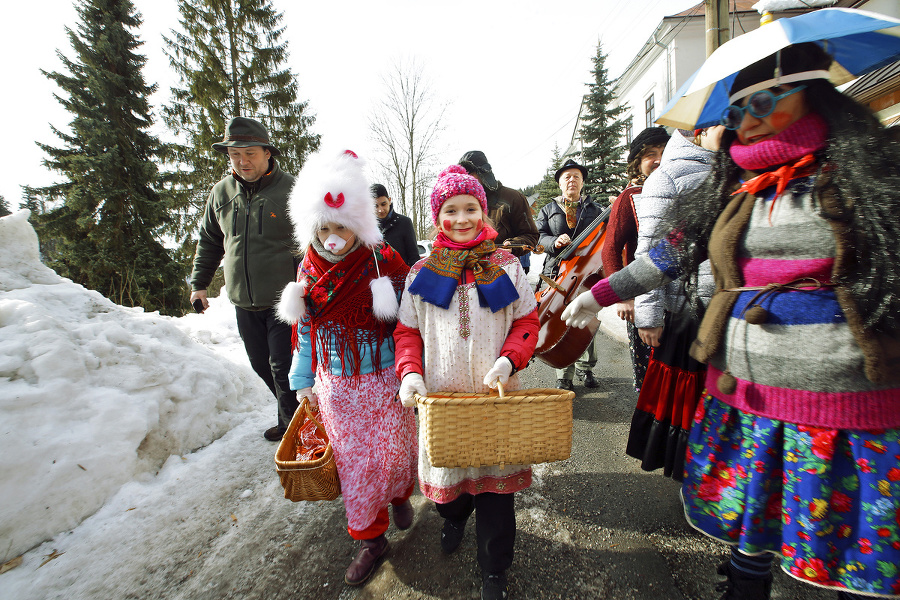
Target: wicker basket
306 480
474 430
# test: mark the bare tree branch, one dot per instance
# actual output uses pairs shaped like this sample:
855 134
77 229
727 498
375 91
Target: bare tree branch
406 126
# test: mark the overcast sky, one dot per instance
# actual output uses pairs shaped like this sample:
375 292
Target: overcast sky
512 72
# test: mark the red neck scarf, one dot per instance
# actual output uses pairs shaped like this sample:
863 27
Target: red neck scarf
486 233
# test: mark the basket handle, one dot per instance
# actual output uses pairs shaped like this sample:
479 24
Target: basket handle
305 406
421 399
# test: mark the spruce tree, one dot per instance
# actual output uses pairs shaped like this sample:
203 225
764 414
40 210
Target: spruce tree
31 201
548 188
601 135
105 217
231 63
4 207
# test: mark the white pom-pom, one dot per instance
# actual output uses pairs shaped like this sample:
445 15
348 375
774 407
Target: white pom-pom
384 299
291 307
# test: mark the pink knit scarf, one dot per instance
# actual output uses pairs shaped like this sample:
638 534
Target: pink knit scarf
804 136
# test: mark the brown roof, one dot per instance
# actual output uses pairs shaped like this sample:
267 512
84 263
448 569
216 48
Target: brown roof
733 6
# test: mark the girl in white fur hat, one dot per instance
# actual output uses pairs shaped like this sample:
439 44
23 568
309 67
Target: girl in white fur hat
344 309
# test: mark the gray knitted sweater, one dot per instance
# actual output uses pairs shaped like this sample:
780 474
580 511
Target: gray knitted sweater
683 167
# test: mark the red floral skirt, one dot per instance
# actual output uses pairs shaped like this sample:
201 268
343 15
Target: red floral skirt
662 420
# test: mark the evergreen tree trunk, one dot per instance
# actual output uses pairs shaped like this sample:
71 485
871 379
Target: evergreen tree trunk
105 234
548 188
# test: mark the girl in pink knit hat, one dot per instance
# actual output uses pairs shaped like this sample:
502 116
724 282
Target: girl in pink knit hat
467 320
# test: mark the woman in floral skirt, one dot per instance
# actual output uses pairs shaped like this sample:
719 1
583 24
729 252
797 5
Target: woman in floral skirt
795 446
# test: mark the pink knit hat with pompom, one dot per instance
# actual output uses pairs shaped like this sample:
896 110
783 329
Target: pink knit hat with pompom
455 181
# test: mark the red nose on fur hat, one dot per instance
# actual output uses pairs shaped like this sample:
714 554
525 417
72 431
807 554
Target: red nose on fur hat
331 187
455 181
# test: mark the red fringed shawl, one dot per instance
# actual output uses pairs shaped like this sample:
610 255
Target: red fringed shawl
339 305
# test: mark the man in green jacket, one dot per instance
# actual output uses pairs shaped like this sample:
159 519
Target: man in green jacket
246 223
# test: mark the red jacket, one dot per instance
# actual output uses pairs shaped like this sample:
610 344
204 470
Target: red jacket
621 232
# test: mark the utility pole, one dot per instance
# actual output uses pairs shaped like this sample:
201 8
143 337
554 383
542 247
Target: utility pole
717 32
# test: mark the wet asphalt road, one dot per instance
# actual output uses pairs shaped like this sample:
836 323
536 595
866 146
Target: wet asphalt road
593 526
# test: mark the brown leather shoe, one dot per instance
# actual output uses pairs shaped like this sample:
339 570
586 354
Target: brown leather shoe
362 567
274 434
403 515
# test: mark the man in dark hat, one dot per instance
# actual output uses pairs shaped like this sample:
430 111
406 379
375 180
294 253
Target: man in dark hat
246 222
507 208
559 222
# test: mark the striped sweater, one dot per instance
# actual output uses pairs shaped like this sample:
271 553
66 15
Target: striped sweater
803 363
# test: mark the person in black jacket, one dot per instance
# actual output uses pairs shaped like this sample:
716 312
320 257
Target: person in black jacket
507 208
559 222
396 229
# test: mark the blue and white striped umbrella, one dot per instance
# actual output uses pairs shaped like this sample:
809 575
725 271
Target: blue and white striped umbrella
860 42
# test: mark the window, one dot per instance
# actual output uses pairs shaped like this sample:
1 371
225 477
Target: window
629 131
649 110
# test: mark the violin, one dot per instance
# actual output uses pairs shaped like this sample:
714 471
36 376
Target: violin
580 267
524 247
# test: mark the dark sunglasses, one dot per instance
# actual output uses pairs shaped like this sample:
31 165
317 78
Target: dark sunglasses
761 104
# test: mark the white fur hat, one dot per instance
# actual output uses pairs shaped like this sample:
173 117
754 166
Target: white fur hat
331 187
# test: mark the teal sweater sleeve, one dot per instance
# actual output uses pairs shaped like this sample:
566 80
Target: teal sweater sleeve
301 374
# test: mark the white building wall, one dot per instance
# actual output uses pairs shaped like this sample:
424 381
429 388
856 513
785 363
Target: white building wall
890 8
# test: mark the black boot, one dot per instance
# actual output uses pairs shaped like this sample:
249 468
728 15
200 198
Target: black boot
565 384
738 586
588 378
274 434
494 586
452 535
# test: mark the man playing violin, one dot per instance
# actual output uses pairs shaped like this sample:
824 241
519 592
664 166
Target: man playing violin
558 223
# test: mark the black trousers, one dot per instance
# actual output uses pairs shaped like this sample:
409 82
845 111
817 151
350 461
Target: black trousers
268 344
495 526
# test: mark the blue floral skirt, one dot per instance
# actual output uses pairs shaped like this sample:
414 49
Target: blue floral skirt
826 500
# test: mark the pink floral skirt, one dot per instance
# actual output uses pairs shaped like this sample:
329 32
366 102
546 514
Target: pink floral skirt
374 441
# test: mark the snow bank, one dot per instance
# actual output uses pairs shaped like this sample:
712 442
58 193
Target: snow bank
94 395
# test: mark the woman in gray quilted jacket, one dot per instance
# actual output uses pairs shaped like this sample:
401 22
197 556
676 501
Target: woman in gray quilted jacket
665 319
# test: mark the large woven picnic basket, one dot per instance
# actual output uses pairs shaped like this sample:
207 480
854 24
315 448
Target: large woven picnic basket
517 428
306 480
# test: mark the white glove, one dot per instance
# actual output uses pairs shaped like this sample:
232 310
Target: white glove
411 385
581 310
500 372
307 393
